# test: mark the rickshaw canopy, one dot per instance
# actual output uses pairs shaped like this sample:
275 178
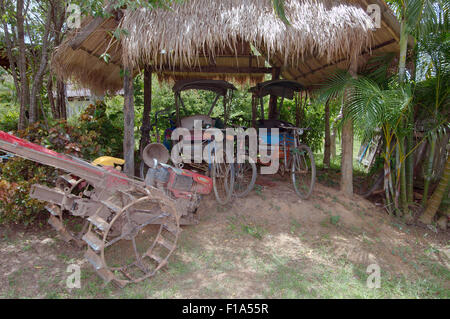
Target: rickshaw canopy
218 86
279 88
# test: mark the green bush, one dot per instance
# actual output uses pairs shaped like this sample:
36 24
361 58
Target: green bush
18 175
102 130
9 117
93 135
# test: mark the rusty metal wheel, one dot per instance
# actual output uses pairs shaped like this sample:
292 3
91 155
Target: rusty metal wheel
136 242
70 228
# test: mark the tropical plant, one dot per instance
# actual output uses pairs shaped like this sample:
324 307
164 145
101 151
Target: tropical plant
421 19
373 107
437 196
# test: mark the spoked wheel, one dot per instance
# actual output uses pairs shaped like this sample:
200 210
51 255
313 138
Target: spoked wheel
223 181
245 177
303 171
282 169
70 228
136 242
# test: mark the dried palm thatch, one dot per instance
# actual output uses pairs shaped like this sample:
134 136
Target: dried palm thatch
324 28
239 78
191 29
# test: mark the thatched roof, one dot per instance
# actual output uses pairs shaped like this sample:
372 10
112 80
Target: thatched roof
214 39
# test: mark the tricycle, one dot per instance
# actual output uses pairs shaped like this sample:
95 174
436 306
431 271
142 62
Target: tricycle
294 156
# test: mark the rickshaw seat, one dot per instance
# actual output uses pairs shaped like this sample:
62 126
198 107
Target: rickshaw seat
188 122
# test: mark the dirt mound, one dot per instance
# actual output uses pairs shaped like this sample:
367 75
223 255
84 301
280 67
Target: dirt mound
270 244
354 228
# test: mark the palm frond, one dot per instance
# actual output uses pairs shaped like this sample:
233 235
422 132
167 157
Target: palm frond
335 86
378 68
278 6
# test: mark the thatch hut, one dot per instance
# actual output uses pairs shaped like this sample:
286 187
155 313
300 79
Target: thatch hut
228 39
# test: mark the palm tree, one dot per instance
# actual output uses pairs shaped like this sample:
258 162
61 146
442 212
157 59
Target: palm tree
373 105
417 18
436 198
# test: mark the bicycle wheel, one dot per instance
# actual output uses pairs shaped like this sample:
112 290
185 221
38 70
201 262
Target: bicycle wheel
223 181
303 171
245 177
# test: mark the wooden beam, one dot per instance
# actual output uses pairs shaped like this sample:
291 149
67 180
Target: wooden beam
344 59
115 63
128 123
86 31
273 99
281 63
212 69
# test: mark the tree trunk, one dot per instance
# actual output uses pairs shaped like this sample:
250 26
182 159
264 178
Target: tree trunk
327 151
347 158
410 141
410 162
403 196
61 100
9 52
22 64
403 50
333 141
51 98
429 169
347 142
59 108
401 77
146 121
128 116
39 75
436 198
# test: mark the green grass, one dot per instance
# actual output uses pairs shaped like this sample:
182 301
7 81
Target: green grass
278 276
243 262
335 163
335 219
347 281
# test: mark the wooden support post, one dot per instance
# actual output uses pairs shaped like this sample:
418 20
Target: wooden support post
273 99
347 142
225 110
327 150
146 121
254 110
128 123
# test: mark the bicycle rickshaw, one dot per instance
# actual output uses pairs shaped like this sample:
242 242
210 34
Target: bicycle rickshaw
294 156
228 177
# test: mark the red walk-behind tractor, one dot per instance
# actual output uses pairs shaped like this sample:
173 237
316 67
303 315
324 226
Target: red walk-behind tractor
130 227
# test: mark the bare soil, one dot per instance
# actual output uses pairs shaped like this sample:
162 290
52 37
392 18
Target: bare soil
269 244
